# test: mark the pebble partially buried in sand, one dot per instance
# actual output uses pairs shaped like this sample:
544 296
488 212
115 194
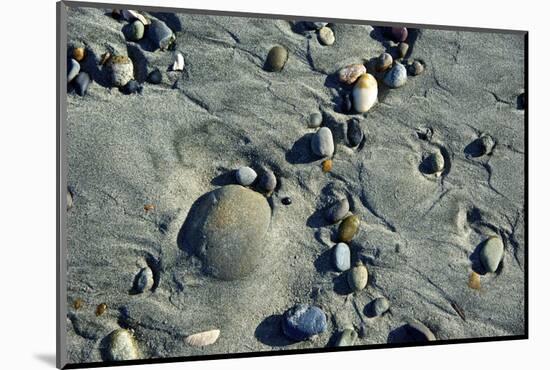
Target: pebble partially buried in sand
337 211
348 228
358 277
347 338
121 346
365 93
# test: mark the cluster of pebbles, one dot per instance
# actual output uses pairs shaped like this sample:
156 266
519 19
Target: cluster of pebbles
230 248
119 69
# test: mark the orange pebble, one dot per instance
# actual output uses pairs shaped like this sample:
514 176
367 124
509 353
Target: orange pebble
78 54
101 308
327 165
474 281
148 207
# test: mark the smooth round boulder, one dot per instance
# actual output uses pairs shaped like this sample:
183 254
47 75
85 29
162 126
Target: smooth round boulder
226 229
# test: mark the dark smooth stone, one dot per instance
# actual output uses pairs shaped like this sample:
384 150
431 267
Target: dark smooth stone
302 322
286 201
155 77
268 181
81 83
355 133
160 34
132 87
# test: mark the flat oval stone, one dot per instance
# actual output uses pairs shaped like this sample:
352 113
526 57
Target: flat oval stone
245 176
302 322
268 181
73 68
144 280
419 332
358 277
347 338
355 133
491 253
380 306
348 228
342 257
349 74
121 70
160 35
383 62
121 346
81 83
315 120
326 36
136 30
155 77
226 229
322 143
276 59
396 76
337 211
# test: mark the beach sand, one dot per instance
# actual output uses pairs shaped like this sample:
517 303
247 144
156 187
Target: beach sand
419 236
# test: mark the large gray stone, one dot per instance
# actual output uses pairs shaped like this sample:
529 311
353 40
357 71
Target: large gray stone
226 229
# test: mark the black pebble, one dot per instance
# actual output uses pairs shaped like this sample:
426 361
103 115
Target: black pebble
155 77
132 87
355 134
286 201
81 82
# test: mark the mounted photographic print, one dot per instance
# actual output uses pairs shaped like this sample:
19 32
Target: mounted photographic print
234 184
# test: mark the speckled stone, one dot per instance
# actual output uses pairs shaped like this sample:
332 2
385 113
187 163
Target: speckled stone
302 322
160 35
355 133
245 176
121 346
396 76
342 257
491 253
276 59
349 74
347 338
73 68
419 332
226 229
348 228
268 181
81 83
315 120
337 211
322 143
121 70
326 36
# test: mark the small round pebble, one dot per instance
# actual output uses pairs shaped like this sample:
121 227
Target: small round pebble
358 277
396 76
419 332
380 306
155 77
136 30
79 54
342 257
349 74
416 68
434 163
347 338
276 59
337 211
245 176
327 165
122 346
355 133
322 143
286 201
302 322
399 34
73 68
315 120
81 83
160 34
383 62
348 228
326 36
268 181
402 49
132 87
144 280
491 253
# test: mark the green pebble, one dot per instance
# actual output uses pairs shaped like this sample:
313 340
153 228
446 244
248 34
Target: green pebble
276 59
137 29
347 338
348 228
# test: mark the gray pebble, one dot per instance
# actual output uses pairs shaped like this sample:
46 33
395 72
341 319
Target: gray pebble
245 176
268 181
73 68
416 68
347 338
121 70
337 211
342 257
355 133
322 143
380 306
136 31
144 280
315 120
81 83
396 76
160 34
491 253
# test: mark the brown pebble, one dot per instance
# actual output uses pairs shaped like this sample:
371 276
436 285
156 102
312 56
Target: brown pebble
327 165
474 281
77 304
101 308
402 49
79 54
149 207
348 228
